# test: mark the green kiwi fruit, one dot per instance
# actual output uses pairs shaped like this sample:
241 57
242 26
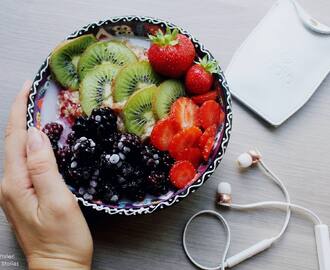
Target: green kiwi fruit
133 77
114 52
96 86
64 60
168 92
137 113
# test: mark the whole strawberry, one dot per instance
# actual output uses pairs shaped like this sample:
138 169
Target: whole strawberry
171 54
199 78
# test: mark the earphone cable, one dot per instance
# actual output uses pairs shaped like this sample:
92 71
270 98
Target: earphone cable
279 182
222 265
314 217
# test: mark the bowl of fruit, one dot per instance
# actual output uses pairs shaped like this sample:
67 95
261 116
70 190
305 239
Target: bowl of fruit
137 110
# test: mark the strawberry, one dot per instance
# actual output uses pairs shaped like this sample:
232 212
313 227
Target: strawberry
163 132
183 140
206 141
210 132
199 77
192 154
206 151
200 99
171 54
182 173
210 113
184 111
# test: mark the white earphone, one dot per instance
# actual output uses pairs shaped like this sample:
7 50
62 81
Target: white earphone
224 198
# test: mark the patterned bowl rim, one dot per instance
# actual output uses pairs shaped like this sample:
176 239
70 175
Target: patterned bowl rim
227 124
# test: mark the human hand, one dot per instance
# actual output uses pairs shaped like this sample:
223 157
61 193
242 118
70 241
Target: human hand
44 214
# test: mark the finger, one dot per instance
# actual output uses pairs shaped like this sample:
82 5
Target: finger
15 137
42 167
17 115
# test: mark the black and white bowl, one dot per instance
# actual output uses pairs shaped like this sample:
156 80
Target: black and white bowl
42 107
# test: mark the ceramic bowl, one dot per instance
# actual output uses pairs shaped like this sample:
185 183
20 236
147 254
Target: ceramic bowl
42 107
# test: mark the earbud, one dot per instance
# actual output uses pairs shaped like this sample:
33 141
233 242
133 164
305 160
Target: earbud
248 159
224 193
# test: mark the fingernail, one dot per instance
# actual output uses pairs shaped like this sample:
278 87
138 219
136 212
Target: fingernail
34 139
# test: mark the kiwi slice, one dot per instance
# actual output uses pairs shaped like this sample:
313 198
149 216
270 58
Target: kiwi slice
96 86
114 52
168 92
133 77
137 113
64 60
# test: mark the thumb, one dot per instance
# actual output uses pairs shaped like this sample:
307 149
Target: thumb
42 167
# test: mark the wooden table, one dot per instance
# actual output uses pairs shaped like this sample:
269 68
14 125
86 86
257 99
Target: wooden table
299 150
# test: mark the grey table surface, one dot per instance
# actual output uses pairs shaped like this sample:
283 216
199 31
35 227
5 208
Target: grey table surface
299 150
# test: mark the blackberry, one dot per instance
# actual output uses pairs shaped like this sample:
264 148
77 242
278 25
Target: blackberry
133 189
104 120
91 190
84 149
112 159
135 192
71 138
157 183
131 182
95 178
63 157
81 127
155 160
83 192
54 131
130 145
79 173
108 142
109 194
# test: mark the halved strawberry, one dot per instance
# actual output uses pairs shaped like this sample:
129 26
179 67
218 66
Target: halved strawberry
200 99
186 138
207 148
210 113
163 132
184 111
210 132
192 154
181 174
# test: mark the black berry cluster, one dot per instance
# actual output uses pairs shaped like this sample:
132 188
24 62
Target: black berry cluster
54 131
103 164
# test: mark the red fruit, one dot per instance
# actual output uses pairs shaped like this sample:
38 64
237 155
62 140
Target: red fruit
210 132
69 106
200 99
183 140
163 133
184 111
210 113
199 78
206 150
182 173
171 54
192 154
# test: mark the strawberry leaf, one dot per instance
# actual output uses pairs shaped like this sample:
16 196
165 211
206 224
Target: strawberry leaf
164 39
